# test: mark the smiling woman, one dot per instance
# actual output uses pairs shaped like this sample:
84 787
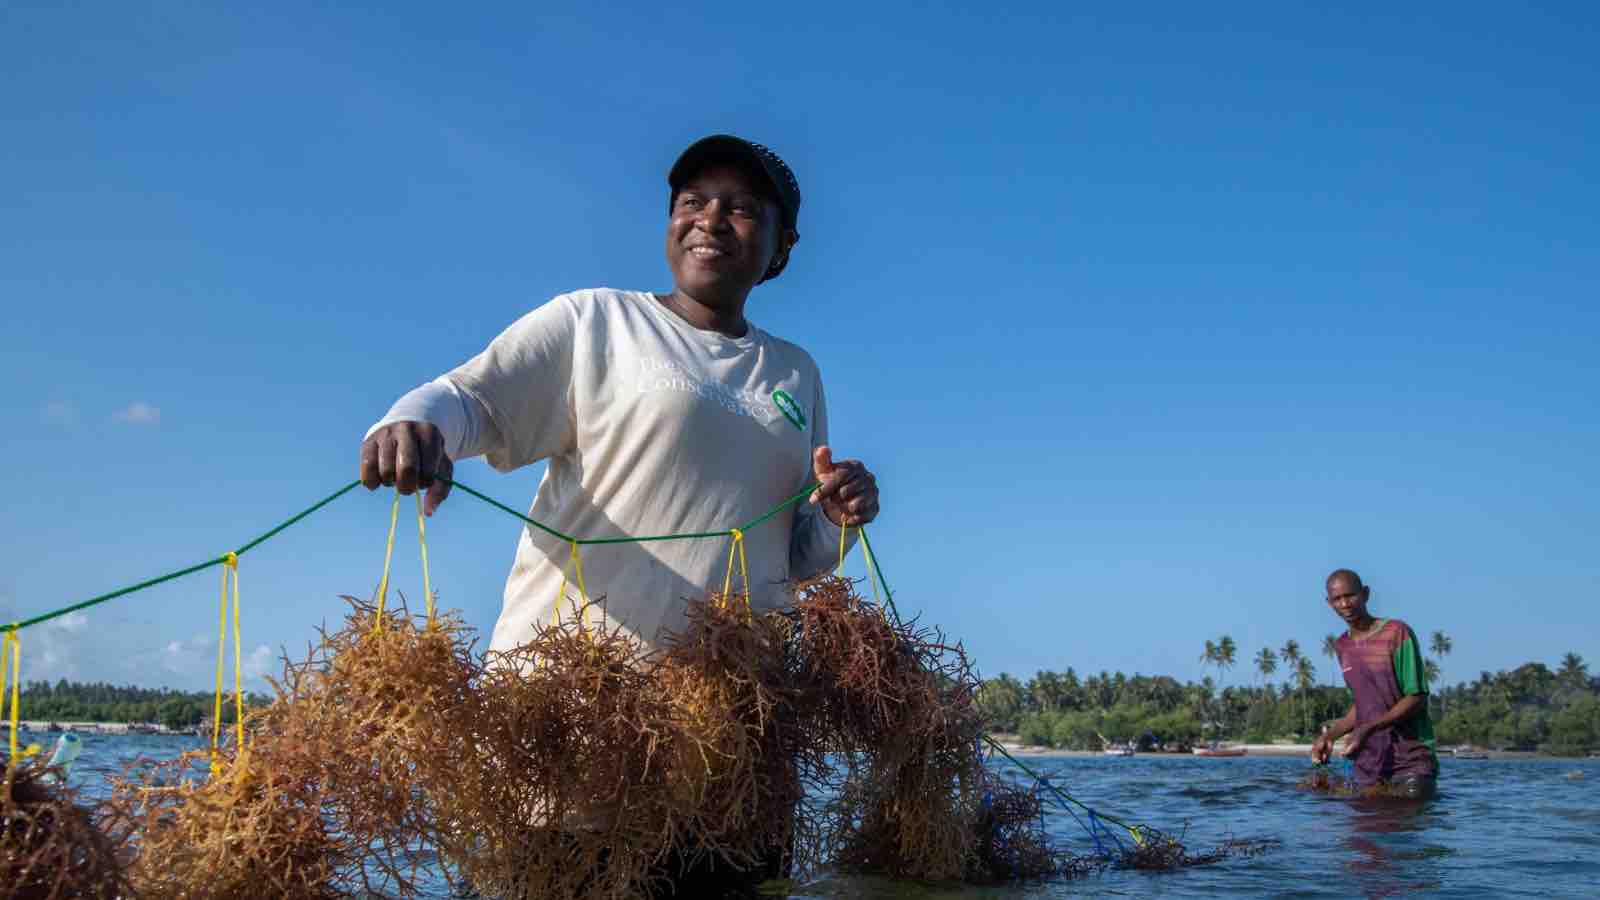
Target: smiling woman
659 413
733 214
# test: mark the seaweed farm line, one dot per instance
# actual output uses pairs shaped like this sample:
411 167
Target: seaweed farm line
1499 828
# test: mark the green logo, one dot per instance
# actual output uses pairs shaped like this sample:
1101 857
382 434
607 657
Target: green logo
789 408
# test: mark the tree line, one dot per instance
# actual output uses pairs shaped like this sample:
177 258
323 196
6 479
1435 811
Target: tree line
70 701
1531 707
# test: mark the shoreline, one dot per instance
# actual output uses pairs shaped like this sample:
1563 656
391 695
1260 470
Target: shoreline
1021 750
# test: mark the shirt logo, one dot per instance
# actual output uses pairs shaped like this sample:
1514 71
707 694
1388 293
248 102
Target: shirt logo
789 408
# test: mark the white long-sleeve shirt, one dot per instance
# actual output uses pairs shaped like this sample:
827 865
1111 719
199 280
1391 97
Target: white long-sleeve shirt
650 426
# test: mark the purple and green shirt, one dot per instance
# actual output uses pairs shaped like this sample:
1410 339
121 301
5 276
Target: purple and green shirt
1381 669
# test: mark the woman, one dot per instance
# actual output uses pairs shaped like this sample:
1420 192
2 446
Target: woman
659 413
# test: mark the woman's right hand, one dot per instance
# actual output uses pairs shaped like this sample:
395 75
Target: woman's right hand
408 456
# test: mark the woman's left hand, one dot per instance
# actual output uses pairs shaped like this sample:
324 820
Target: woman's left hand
847 492
1358 736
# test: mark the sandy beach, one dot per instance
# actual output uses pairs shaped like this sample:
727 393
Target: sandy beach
1016 748
1019 749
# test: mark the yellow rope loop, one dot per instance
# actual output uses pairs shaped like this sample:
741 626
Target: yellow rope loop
388 554
10 662
229 562
238 660
583 591
575 561
744 569
230 567
422 541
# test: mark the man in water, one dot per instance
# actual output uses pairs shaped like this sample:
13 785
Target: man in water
1390 733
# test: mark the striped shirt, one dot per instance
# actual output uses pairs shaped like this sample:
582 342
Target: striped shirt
1381 669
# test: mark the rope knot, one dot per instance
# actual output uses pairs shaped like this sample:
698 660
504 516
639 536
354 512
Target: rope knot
230 559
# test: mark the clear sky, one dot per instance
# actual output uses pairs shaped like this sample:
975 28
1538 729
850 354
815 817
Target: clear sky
1145 318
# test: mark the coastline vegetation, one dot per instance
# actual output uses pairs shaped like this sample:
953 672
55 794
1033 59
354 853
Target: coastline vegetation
71 701
1530 708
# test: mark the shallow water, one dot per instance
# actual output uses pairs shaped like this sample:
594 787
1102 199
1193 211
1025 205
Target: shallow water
1502 828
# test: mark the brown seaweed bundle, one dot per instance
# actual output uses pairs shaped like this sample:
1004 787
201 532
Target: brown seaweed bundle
1324 780
254 829
50 846
737 752
1011 840
387 698
561 791
897 704
1158 851
325 797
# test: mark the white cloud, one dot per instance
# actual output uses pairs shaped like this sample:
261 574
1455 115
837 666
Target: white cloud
52 651
62 414
140 413
76 621
261 662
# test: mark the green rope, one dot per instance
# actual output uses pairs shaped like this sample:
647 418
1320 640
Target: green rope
498 505
292 520
777 509
93 601
274 532
872 560
296 518
1065 797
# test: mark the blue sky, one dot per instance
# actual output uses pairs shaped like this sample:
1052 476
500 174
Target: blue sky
1145 318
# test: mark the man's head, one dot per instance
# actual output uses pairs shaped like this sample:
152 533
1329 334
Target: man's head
731 218
1347 596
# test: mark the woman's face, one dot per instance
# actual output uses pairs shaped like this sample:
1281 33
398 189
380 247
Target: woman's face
722 235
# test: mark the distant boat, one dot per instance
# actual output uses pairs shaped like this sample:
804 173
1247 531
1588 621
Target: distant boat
1215 750
1463 753
1118 751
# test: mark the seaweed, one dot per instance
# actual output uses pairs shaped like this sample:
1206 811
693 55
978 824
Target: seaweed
559 790
329 791
50 845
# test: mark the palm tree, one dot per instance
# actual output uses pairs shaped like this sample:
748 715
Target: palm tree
1330 649
1266 663
1574 671
1290 651
1305 676
1226 654
1441 646
1209 658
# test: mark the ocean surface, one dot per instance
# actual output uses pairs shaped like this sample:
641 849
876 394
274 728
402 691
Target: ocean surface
1499 828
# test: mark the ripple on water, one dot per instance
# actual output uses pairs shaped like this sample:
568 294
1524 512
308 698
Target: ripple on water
1499 828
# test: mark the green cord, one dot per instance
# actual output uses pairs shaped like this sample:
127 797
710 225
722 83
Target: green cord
296 518
498 505
871 557
122 592
92 601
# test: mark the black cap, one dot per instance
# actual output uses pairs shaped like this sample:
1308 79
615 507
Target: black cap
727 148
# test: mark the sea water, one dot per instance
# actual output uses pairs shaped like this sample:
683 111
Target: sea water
1499 828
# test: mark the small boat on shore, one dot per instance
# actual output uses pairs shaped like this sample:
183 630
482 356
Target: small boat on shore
1215 750
1118 751
1468 753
